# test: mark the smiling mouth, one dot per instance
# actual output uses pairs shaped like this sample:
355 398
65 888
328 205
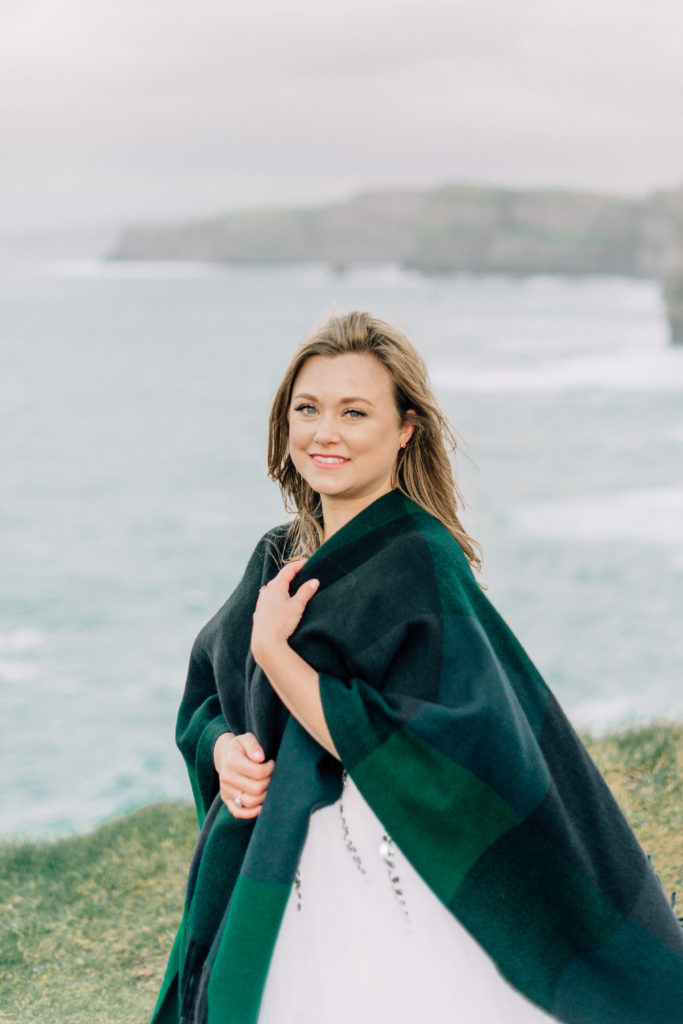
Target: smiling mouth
328 460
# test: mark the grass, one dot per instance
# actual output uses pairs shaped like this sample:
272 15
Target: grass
644 769
86 923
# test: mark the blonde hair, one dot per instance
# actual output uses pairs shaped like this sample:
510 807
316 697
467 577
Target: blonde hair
423 469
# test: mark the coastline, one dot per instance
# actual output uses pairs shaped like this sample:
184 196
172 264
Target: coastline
88 920
450 229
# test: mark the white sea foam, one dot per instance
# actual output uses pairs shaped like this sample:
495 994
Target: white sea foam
646 369
18 655
13 671
137 269
21 640
601 715
380 275
653 516
113 790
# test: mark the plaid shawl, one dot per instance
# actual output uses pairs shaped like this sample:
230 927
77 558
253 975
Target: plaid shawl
461 750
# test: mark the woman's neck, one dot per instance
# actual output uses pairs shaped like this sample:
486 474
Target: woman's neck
338 513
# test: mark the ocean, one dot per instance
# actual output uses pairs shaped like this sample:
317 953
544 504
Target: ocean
133 411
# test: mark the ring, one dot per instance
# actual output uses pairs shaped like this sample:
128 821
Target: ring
238 802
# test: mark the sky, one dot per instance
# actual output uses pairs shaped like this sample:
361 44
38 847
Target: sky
125 111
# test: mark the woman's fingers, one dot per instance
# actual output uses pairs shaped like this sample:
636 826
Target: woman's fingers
305 591
289 571
249 781
246 757
241 784
281 610
239 802
251 746
243 774
241 810
304 594
284 578
244 801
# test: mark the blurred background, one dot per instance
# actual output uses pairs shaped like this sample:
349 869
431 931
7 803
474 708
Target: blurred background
185 191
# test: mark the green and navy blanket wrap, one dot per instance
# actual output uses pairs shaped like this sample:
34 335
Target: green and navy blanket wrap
460 749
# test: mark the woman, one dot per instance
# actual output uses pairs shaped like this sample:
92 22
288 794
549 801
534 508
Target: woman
396 816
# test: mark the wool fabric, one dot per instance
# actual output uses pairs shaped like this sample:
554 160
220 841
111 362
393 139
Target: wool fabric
460 749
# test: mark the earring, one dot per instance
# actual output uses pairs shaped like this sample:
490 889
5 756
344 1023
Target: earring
403 444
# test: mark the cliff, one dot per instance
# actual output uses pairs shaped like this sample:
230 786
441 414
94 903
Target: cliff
445 230
87 922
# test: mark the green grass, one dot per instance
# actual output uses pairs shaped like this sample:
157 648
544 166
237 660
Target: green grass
644 769
86 923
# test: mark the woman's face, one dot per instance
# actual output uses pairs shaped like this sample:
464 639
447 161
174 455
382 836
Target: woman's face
344 428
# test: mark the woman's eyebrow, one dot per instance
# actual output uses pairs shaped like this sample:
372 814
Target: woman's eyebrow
356 398
342 401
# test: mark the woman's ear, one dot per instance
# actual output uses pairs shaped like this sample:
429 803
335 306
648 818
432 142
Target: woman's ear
407 429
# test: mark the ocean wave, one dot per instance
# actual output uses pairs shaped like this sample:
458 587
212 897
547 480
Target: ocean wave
623 711
659 369
136 269
648 516
18 650
383 276
380 275
12 671
21 640
34 810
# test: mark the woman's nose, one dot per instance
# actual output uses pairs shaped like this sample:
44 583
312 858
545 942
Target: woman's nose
326 432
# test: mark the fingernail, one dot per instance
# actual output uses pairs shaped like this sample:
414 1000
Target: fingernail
314 584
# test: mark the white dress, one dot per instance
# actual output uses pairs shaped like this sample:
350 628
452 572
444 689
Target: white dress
364 939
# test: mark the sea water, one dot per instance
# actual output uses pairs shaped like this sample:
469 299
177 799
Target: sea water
133 412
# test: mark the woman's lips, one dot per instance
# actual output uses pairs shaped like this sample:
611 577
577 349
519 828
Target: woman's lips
328 461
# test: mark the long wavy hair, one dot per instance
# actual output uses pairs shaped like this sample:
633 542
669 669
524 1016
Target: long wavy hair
423 469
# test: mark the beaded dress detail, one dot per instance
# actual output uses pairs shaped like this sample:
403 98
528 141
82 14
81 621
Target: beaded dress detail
363 938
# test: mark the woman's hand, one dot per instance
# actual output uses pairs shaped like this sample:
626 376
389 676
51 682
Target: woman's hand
277 614
295 681
243 773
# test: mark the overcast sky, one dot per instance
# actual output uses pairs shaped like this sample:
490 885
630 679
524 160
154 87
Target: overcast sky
115 111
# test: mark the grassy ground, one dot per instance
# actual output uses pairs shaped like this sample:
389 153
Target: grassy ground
86 923
644 769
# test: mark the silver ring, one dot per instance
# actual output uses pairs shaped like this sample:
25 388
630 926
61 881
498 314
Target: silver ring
238 802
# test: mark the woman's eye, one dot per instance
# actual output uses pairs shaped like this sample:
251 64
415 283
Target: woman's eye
354 414
305 408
